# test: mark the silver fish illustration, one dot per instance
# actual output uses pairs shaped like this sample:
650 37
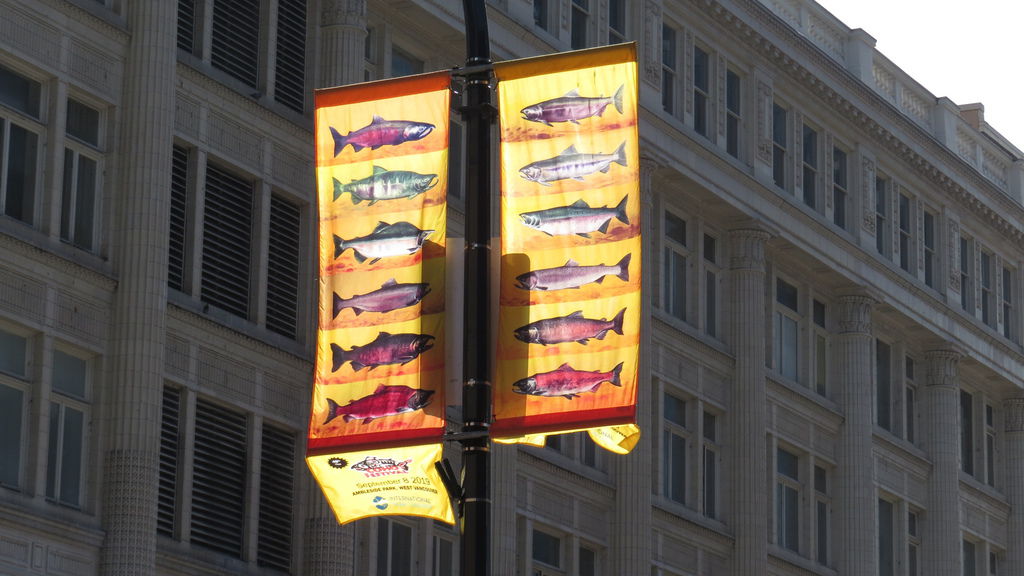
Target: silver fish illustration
567 382
577 218
390 296
571 108
385 185
572 275
571 164
396 239
571 328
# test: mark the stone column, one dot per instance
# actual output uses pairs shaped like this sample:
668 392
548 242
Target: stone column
631 526
328 548
342 37
856 504
749 417
503 506
940 538
139 246
1013 457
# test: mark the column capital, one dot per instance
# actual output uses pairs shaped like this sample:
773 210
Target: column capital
343 13
855 305
648 166
746 246
942 367
1013 414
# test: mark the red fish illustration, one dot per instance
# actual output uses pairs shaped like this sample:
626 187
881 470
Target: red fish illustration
385 349
385 401
380 132
390 296
572 275
566 382
571 328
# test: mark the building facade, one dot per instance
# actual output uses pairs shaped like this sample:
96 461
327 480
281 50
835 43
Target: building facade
832 335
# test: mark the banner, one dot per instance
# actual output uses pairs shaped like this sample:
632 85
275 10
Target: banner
381 162
569 316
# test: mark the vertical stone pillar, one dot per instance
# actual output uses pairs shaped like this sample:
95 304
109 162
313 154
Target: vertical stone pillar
139 243
631 526
1013 458
749 417
328 548
503 507
856 505
342 37
940 538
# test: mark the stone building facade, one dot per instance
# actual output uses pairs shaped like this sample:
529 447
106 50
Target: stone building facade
832 333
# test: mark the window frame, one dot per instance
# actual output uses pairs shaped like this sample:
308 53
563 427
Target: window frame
733 114
674 253
785 486
711 306
702 95
840 186
582 10
783 313
673 489
56 453
670 68
35 127
810 165
906 221
883 222
780 146
94 152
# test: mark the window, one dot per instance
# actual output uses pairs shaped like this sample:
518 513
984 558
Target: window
394 548
733 114
242 45
966 266
810 167
80 192
883 385
68 429
616 21
404 64
591 454
913 544
882 231
988 312
587 561
580 23
711 274
673 298
780 156
840 186
787 331
274 537
668 68
219 479
283 254
910 401
20 132
227 241
177 252
13 361
556 442
822 514
906 236
1009 318
547 549
701 88
674 440
990 445
967 432
170 447
787 500
13 354
969 558
929 248
444 563
541 14
709 480
993 563
820 349
886 534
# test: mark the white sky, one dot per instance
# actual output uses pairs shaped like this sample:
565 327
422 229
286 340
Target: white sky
967 51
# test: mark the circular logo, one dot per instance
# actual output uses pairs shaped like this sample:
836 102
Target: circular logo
337 462
380 503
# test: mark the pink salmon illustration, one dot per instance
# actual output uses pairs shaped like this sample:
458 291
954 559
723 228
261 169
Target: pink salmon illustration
571 328
390 296
385 349
571 108
566 382
577 218
380 132
385 401
572 275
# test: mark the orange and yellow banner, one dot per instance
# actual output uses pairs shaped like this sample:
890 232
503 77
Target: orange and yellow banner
569 316
381 162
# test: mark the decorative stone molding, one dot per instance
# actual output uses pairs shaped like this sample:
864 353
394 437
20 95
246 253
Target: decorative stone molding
828 174
941 366
1013 414
953 249
652 43
746 247
867 190
343 13
764 121
688 78
854 312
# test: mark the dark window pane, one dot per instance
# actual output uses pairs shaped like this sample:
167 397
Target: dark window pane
404 64
177 245
788 464
71 456
883 384
290 71
186 25
675 410
11 408
170 420
786 294
283 267
83 122
227 242
235 44
886 552
69 374
218 479
276 490
547 548
21 174
19 92
12 354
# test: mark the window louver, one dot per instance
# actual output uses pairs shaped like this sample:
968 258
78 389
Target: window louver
169 440
218 487
179 211
186 25
275 518
283 267
289 85
236 39
227 242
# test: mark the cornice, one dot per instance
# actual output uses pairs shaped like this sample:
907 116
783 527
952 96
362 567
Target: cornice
101 25
874 125
10 244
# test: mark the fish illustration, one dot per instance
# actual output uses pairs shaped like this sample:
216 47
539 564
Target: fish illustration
572 275
385 349
577 218
380 132
386 240
571 108
571 164
566 382
390 296
571 328
385 401
385 185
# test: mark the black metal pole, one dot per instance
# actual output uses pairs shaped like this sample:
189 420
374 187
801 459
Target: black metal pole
476 391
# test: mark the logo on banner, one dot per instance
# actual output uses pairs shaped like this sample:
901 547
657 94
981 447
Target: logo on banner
372 466
380 503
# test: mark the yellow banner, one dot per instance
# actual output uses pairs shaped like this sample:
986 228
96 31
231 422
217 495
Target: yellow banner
399 481
569 317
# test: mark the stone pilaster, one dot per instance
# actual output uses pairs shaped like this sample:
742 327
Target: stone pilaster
328 548
503 506
631 528
139 246
749 417
1013 459
940 538
856 504
342 37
